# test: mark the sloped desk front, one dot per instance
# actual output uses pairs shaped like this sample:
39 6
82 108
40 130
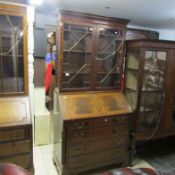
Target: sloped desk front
16 132
92 132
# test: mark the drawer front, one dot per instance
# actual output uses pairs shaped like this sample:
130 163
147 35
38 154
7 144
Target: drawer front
80 161
15 148
94 134
22 160
101 145
12 135
102 121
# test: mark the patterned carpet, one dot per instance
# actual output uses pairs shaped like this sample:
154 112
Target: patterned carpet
160 155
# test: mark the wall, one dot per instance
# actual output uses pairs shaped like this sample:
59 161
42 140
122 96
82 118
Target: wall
43 24
167 34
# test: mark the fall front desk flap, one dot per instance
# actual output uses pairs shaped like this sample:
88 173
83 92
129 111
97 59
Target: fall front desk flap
89 105
14 110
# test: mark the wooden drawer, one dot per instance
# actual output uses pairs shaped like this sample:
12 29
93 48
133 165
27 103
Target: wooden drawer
83 124
15 147
90 159
12 135
94 134
101 145
22 160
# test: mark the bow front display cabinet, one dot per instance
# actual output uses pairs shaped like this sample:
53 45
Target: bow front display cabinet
150 87
92 128
15 118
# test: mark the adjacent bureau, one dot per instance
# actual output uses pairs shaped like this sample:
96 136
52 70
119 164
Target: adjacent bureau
92 131
16 132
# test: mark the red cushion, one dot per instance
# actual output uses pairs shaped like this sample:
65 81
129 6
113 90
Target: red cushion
11 169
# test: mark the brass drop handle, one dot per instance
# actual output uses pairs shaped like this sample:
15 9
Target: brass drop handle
82 134
80 125
106 120
14 137
81 148
78 148
115 130
15 147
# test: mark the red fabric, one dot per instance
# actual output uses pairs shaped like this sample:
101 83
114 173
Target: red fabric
11 169
48 77
136 171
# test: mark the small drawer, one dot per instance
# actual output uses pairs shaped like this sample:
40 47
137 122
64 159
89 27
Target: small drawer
98 122
17 147
95 158
101 145
12 135
24 161
94 134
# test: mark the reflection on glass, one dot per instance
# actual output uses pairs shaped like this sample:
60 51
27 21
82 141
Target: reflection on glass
11 54
77 56
109 58
153 89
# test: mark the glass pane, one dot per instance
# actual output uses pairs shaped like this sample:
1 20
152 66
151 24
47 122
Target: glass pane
109 58
131 77
77 56
11 54
152 89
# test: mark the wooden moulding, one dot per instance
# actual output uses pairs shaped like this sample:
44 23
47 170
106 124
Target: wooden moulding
90 18
149 43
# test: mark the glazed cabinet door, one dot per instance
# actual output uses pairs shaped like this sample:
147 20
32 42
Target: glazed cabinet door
132 74
109 57
153 88
13 71
76 60
145 85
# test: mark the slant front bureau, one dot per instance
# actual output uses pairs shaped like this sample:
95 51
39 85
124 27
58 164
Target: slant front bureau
16 132
93 131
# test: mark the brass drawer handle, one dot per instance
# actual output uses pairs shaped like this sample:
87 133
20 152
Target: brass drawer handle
81 148
82 134
80 125
14 136
106 120
117 130
78 148
15 147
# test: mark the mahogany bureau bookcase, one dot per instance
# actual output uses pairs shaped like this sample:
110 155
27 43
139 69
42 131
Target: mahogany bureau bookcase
92 128
15 118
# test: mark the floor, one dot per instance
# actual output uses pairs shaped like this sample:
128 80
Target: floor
44 166
160 154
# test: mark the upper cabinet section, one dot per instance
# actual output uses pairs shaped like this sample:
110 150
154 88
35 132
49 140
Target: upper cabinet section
13 58
90 52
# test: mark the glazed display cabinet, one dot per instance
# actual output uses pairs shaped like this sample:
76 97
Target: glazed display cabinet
90 50
13 58
149 87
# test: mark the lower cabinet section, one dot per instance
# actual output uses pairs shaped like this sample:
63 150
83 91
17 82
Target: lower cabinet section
97 146
22 160
16 145
95 158
78 149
